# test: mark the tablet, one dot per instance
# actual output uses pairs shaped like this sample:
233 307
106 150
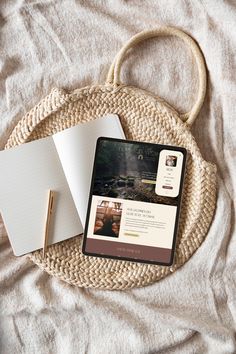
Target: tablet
134 201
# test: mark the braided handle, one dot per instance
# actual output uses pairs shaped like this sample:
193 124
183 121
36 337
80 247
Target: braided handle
114 72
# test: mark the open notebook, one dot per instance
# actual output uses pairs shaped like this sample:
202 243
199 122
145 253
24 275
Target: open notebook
63 163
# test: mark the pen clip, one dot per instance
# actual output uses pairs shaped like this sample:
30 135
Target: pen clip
51 201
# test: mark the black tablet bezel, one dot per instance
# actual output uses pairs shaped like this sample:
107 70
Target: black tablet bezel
166 147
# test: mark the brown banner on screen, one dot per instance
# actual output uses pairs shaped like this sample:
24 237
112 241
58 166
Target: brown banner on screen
127 250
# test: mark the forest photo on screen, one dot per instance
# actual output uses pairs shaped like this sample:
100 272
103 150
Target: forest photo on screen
128 171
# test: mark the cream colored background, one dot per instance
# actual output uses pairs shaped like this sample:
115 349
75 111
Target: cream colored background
167 175
155 237
71 44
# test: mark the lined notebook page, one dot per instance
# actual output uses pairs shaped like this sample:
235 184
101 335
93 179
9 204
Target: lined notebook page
76 149
26 173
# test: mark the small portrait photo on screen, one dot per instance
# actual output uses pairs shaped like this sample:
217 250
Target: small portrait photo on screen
107 220
171 161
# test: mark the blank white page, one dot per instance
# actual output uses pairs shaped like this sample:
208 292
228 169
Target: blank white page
76 149
26 173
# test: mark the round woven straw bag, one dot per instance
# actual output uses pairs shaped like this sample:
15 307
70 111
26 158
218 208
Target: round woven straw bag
144 117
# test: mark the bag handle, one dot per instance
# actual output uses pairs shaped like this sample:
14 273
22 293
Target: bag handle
114 72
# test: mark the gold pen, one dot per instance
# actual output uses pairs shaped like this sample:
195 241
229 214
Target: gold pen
48 218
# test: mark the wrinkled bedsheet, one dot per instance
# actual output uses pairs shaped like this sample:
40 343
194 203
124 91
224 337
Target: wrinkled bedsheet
70 44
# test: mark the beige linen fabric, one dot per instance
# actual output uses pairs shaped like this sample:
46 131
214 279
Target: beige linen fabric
71 44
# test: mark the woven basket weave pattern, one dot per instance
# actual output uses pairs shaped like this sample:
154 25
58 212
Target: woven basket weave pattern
144 117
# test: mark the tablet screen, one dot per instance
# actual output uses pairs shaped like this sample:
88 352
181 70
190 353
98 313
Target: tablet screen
134 201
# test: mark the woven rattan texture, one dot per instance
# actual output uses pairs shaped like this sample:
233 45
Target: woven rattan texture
144 117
